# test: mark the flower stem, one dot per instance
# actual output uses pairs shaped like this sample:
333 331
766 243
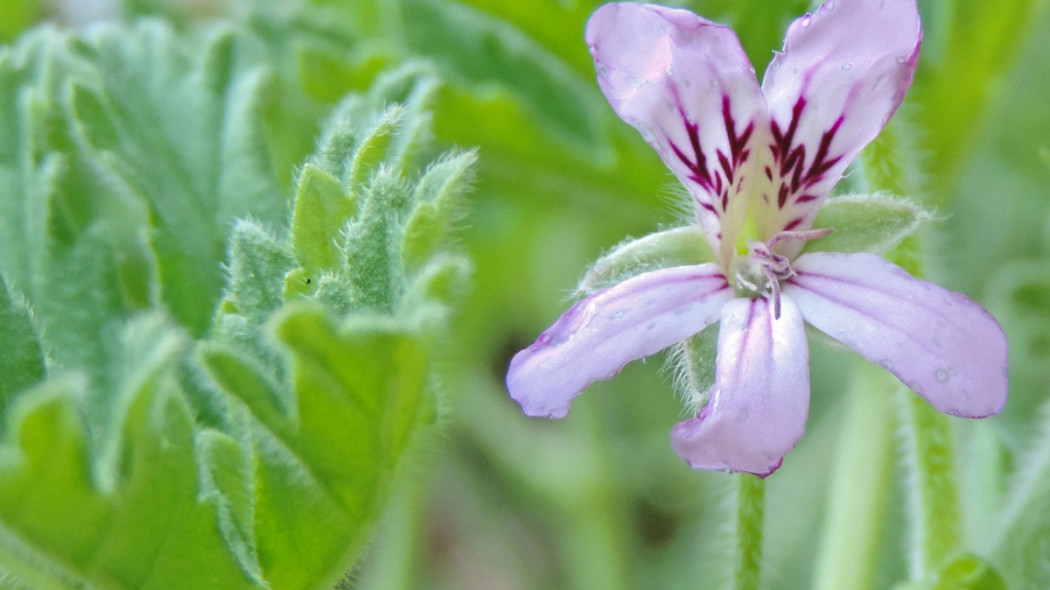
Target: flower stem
928 449
933 492
747 566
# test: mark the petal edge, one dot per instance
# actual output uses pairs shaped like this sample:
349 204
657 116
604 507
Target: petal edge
942 345
760 401
600 334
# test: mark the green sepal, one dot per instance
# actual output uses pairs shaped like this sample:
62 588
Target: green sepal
672 247
322 208
867 223
692 363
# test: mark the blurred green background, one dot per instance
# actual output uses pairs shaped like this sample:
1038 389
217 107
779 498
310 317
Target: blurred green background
496 500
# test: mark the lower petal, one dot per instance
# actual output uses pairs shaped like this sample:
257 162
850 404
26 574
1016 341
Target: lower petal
941 344
603 332
760 400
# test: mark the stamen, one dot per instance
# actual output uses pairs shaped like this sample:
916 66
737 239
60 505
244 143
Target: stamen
765 266
809 234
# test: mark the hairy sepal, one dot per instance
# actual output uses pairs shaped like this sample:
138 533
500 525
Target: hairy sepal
679 246
867 223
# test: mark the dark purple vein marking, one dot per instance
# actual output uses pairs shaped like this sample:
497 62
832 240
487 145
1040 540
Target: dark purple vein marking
722 178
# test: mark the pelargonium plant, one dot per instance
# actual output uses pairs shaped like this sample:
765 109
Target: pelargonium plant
758 161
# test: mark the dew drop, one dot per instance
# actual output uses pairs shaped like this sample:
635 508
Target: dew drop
829 5
805 20
617 314
901 59
941 375
847 67
635 81
886 364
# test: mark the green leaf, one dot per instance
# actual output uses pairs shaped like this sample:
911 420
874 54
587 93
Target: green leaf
867 223
437 202
353 419
22 362
18 16
1019 544
968 46
202 162
190 427
60 529
322 208
28 169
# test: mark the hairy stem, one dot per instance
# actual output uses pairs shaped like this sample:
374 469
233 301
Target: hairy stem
928 450
933 490
747 549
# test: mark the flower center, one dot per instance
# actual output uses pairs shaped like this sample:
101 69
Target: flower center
758 274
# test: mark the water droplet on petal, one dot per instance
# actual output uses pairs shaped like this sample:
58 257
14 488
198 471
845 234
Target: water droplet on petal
847 67
805 20
635 81
617 314
901 59
942 375
829 5
886 364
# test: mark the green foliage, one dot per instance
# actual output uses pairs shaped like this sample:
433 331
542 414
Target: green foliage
169 424
22 362
968 47
1020 543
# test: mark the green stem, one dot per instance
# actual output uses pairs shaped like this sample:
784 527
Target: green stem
929 453
747 566
933 492
860 487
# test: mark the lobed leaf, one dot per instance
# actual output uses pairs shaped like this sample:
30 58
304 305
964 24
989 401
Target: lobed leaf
169 425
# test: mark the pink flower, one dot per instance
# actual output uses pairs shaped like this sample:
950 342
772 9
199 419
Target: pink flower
758 161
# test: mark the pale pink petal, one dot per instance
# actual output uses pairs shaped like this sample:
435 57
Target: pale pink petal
602 333
688 87
760 400
842 75
940 344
